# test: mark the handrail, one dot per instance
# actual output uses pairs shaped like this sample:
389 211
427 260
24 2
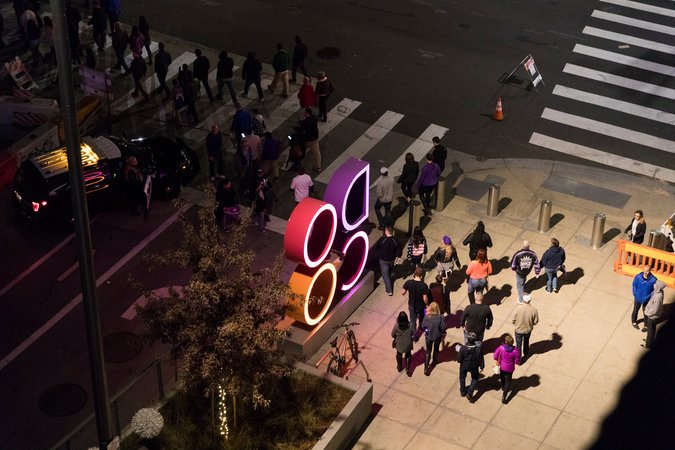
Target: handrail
632 257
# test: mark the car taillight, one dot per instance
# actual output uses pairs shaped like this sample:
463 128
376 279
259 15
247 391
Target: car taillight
36 206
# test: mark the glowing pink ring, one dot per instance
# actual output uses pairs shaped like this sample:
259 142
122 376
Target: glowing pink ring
351 280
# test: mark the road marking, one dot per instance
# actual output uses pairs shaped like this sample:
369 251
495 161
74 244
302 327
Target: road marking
617 105
285 111
419 149
642 7
591 154
72 269
39 262
624 59
37 334
595 126
364 143
336 115
617 80
626 39
616 18
130 313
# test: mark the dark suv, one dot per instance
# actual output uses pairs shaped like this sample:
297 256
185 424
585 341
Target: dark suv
42 183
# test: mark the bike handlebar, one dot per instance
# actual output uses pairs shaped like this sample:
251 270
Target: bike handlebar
346 325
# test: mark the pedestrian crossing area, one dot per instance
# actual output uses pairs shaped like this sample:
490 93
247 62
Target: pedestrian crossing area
616 89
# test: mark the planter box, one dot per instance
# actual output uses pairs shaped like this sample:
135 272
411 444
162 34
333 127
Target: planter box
352 417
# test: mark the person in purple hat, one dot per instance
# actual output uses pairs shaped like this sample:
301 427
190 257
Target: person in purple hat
446 258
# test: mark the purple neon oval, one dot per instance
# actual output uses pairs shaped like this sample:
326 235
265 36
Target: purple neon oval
348 284
341 184
308 233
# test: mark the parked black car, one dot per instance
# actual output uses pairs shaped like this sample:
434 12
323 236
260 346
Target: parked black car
42 184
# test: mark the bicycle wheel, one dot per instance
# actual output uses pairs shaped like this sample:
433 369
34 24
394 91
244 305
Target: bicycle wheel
333 365
353 345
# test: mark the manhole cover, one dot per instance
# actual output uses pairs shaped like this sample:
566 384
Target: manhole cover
121 347
328 53
62 400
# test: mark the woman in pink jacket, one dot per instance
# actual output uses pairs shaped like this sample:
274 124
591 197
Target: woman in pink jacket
506 357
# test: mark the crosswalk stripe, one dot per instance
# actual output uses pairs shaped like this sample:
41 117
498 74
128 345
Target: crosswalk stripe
126 101
284 112
613 131
633 22
591 154
642 7
624 59
617 80
617 105
336 115
626 39
419 148
363 144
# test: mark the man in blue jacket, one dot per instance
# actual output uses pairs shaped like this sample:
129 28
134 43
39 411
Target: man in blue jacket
643 285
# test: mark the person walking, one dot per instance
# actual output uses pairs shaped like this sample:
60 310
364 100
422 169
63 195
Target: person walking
478 239
409 174
478 271
384 192
388 250
162 63
48 41
280 64
402 333
178 100
200 69
323 89
306 96
112 7
138 70
241 124
525 317
506 357
637 228
250 73
417 248
439 293
261 200
468 357
522 263
476 318
99 23
446 258
310 134
136 40
301 185
653 312
427 182
439 152
73 19
270 155
133 180
120 42
552 261
643 286
190 85
225 199
418 297
300 52
214 152
434 327
225 76
296 148
144 28
258 125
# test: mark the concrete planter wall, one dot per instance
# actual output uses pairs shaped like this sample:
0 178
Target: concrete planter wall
352 417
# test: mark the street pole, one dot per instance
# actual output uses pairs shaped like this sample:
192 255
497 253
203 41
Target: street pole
82 231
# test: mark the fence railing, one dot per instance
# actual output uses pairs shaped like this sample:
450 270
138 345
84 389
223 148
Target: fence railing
632 257
147 389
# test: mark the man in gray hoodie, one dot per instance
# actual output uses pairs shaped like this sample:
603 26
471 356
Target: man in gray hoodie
385 195
653 312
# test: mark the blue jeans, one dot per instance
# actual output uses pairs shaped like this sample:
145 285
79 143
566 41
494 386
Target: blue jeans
551 280
523 343
386 268
416 314
520 286
462 382
475 284
382 220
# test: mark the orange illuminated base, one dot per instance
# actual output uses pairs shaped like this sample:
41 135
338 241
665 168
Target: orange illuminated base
317 288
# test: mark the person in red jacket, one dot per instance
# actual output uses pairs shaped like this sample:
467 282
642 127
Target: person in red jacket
306 96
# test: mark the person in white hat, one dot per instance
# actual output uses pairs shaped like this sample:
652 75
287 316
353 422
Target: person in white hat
385 194
525 317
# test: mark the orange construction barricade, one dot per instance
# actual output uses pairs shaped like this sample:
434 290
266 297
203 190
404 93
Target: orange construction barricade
632 257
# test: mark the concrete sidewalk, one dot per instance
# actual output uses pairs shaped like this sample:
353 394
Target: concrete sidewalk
583 349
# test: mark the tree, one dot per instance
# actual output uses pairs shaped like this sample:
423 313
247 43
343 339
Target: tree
223 326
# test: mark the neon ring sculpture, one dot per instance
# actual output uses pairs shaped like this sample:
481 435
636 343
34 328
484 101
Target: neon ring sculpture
318 226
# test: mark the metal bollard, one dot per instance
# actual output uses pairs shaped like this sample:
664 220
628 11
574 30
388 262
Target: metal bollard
657 240
544 216
493 200
598 230
440 194
414 216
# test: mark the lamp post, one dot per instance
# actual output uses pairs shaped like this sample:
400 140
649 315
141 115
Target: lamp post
82 231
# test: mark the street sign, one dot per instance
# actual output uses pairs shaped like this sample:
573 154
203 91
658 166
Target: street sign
531 70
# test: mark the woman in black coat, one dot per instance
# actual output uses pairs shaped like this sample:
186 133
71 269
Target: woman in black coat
636 228
408 177
477 240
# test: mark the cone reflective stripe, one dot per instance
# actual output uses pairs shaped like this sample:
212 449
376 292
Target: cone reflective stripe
498 114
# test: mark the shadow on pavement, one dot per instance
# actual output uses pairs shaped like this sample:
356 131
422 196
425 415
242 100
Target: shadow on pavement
541 347
494 295
500 264
522 384
570 277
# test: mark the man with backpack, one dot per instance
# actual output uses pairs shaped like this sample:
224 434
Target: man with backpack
468 357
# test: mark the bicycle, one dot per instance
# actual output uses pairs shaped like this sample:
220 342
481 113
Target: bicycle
338 353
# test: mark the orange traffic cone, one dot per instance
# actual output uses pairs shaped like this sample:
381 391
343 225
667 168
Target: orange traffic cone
498 114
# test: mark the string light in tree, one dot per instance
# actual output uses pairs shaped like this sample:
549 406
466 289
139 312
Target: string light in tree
222 413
